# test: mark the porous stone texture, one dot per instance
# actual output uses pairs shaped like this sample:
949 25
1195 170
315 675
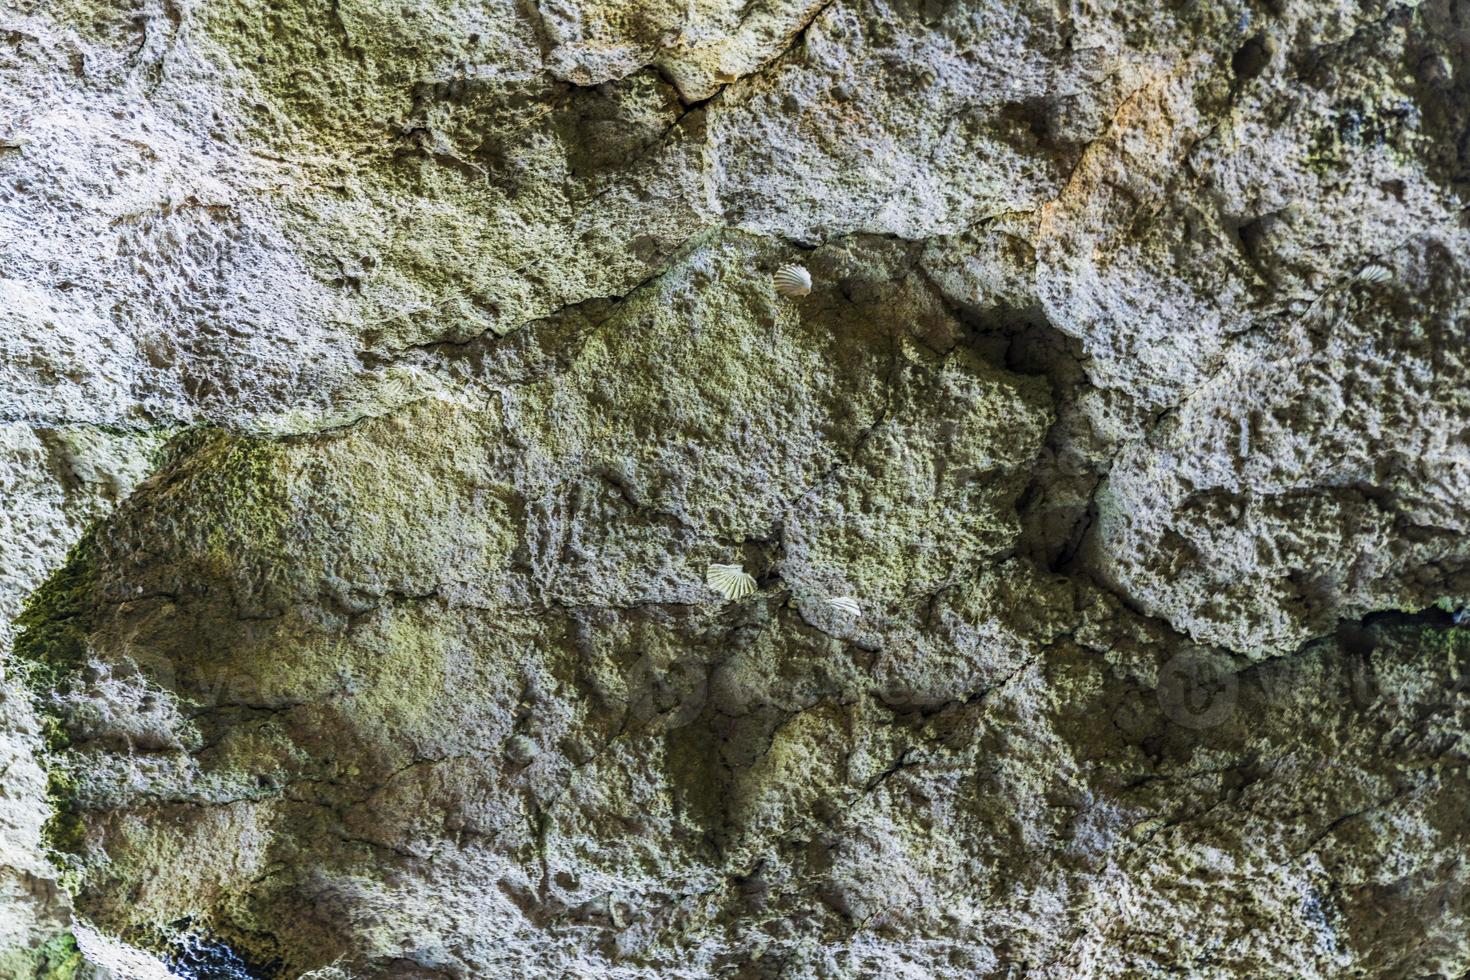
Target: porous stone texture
380 379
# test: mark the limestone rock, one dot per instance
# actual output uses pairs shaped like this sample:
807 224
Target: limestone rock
378 380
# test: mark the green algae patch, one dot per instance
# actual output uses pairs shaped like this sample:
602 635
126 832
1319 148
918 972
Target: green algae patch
53 646
64 831
52 628
245 479
1439 653
237 493
50 648
56 959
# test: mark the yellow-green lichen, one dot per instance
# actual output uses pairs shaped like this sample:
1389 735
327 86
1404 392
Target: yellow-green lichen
451 177
418 236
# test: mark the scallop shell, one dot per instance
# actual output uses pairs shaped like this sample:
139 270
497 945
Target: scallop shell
792 280
729 581
1375 273
845 604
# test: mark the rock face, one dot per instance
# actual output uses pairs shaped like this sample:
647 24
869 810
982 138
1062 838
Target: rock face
379 381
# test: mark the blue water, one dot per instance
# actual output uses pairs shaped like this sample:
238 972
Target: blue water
192 955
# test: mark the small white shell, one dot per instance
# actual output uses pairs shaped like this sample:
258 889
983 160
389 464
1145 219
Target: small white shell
845 604
729 581
792 280
1375 273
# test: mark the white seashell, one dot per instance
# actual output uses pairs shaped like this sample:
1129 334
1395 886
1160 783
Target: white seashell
792 280
845 604
729 581
1375 273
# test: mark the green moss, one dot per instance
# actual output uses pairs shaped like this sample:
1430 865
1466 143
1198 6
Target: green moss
57 959
240 485
50 648
246 480
64 831
1438 642
53 627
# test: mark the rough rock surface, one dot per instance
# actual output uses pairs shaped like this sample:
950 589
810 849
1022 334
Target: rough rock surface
378 380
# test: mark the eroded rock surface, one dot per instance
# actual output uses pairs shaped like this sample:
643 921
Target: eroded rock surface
380 380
